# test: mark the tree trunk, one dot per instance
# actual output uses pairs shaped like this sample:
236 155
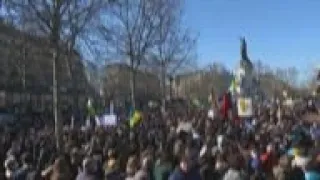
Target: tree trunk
133 85
55 39
73 77
163 87
23 80
171 87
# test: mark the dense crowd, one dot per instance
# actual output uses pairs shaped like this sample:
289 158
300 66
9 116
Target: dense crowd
178 145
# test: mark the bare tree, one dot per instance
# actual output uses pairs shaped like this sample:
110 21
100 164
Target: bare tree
174 46
218 77
313 80
258 68
136 24
62 21
200 84
292 76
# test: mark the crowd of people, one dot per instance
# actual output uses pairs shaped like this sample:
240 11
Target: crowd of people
184 144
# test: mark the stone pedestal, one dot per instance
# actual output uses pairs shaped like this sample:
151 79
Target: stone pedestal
244 87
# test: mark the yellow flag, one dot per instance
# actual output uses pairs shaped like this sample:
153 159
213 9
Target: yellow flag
243 105
135 119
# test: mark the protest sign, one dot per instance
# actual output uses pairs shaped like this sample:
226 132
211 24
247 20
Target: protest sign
244 106
108 120
184 126
211 114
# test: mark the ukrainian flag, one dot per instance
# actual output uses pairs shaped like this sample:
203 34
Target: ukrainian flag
135 118
233 85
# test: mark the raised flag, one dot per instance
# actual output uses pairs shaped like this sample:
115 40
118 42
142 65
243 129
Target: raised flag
135 119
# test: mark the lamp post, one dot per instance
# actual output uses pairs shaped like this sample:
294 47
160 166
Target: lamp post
57 123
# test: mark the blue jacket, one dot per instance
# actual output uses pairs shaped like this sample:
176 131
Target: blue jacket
310 175
177 174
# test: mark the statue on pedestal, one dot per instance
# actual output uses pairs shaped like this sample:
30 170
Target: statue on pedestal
245 61
244 79
244 72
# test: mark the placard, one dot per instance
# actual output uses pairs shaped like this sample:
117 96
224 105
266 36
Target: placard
184 126
108 120
211 114
244 107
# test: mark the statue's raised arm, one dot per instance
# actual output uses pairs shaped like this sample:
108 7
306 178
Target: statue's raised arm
243 48
245 61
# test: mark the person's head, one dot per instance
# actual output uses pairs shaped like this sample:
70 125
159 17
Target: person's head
284 161
163 157
178 146
26 158
192 151
111 153
60 169
254 153
132 165
60 165
185 164
10 163
89 165
111 165
270 148
315 125
234 161
16 147
75 156
146 163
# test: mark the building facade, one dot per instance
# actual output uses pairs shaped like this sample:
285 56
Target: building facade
26 71
187 85
116 83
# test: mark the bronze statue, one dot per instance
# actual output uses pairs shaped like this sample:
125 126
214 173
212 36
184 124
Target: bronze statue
243 49
245 61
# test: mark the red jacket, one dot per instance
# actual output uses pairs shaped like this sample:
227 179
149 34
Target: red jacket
225 106
268 161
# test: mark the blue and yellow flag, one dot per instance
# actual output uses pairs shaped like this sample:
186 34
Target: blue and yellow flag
135 118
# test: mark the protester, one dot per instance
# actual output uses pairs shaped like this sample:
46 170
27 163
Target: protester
179 145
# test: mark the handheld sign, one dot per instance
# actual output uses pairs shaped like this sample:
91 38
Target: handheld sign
211 114
244 107
108 120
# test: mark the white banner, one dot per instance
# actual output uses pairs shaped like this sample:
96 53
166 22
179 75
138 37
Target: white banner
108 120
244 107
184 126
